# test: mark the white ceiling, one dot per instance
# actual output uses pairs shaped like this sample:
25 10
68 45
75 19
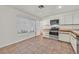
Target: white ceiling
47 11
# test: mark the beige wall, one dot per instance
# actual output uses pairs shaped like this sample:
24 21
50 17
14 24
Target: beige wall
8 31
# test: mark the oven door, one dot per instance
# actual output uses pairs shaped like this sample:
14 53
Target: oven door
54 31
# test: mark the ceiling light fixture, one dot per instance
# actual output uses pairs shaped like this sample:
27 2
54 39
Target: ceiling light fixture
41 6
60 7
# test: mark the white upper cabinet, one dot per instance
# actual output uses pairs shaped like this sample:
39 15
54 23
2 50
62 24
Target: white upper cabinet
76 18
68 19
61 20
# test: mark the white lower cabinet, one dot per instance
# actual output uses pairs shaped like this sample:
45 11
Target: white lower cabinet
74 42
64 37
69 37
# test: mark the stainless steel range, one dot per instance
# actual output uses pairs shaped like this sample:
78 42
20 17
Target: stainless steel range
54 30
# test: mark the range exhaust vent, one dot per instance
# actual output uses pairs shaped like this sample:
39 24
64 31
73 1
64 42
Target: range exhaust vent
41 6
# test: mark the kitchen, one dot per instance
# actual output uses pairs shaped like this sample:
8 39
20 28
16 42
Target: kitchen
32 26
68 28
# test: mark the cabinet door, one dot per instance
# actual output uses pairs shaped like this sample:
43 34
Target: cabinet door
76 18
61 20
64 37
74 43
68 19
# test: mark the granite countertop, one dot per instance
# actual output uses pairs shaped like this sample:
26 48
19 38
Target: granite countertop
75 32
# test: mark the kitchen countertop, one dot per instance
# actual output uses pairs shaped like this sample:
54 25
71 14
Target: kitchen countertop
75 32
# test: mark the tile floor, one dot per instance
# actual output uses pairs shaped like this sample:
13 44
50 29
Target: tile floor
38 45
